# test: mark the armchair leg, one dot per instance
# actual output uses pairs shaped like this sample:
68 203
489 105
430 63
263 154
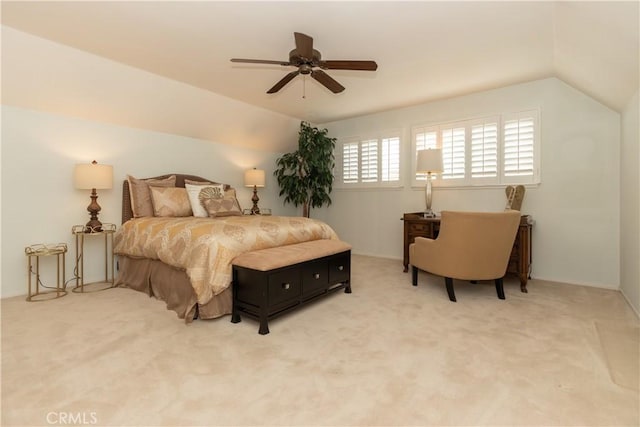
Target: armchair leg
449 282
414 275
500 288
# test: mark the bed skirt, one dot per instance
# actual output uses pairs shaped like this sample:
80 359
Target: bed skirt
170 285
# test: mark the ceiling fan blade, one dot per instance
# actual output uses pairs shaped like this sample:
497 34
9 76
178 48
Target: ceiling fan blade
349 65
304 45
326 80
260 61
286 79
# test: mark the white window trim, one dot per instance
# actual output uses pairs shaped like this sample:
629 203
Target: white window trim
468 182
379 136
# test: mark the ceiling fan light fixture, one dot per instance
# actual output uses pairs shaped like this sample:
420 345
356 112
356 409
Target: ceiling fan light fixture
305 69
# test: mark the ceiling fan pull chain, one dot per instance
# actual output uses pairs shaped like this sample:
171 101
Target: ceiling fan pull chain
304 86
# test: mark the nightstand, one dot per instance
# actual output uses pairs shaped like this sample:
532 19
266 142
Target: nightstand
263 212
37 251
80 233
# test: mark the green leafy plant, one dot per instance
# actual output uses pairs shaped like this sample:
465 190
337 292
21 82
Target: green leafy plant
305 177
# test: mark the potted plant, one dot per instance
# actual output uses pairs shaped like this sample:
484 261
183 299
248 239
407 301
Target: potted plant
305 177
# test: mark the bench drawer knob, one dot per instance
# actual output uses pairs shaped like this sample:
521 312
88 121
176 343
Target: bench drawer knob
286 286
341 267
316 276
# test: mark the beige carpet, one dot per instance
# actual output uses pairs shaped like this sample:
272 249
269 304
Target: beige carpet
388 354
621 346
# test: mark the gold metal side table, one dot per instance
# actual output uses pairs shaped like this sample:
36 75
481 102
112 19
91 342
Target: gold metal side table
37 251
107 232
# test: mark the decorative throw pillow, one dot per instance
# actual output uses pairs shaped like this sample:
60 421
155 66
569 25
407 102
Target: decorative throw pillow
170 201
210 193
140 194
193 191
229 193
222 206
192 182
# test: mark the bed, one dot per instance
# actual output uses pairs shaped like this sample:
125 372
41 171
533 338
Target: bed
185 261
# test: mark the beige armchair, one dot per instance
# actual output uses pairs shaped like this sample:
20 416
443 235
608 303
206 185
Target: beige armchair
470 246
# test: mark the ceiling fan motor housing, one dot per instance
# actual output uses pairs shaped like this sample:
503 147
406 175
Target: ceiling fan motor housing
296 59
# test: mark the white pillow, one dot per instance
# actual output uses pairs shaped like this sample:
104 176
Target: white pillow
193 192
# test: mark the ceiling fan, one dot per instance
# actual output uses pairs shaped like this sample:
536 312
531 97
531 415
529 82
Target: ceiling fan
308 60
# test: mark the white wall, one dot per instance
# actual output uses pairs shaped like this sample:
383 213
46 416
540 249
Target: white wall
62 106
576 207
630 205
40 203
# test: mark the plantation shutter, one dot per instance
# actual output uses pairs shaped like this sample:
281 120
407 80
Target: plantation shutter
350 163
484 150
503 149
453 141
519 146
369 160
425 140
390 161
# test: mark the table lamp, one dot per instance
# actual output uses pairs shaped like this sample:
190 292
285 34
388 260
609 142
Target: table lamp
429 161
254 178
93 177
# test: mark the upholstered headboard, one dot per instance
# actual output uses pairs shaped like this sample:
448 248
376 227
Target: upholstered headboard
127 212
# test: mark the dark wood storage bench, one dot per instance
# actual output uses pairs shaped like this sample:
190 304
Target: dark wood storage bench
270 282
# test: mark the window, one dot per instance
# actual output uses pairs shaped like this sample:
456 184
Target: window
350 162
484 150
369 162
519 145
453 142
424 138
390 160
496 150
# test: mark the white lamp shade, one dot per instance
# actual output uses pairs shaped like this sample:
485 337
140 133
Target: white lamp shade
429 160
254 177
90 176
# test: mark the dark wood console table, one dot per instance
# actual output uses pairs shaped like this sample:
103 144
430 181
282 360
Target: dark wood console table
415 225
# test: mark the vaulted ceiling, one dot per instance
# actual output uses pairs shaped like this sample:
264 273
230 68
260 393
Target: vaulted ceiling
424 50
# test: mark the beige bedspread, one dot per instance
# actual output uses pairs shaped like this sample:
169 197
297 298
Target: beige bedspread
206 247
